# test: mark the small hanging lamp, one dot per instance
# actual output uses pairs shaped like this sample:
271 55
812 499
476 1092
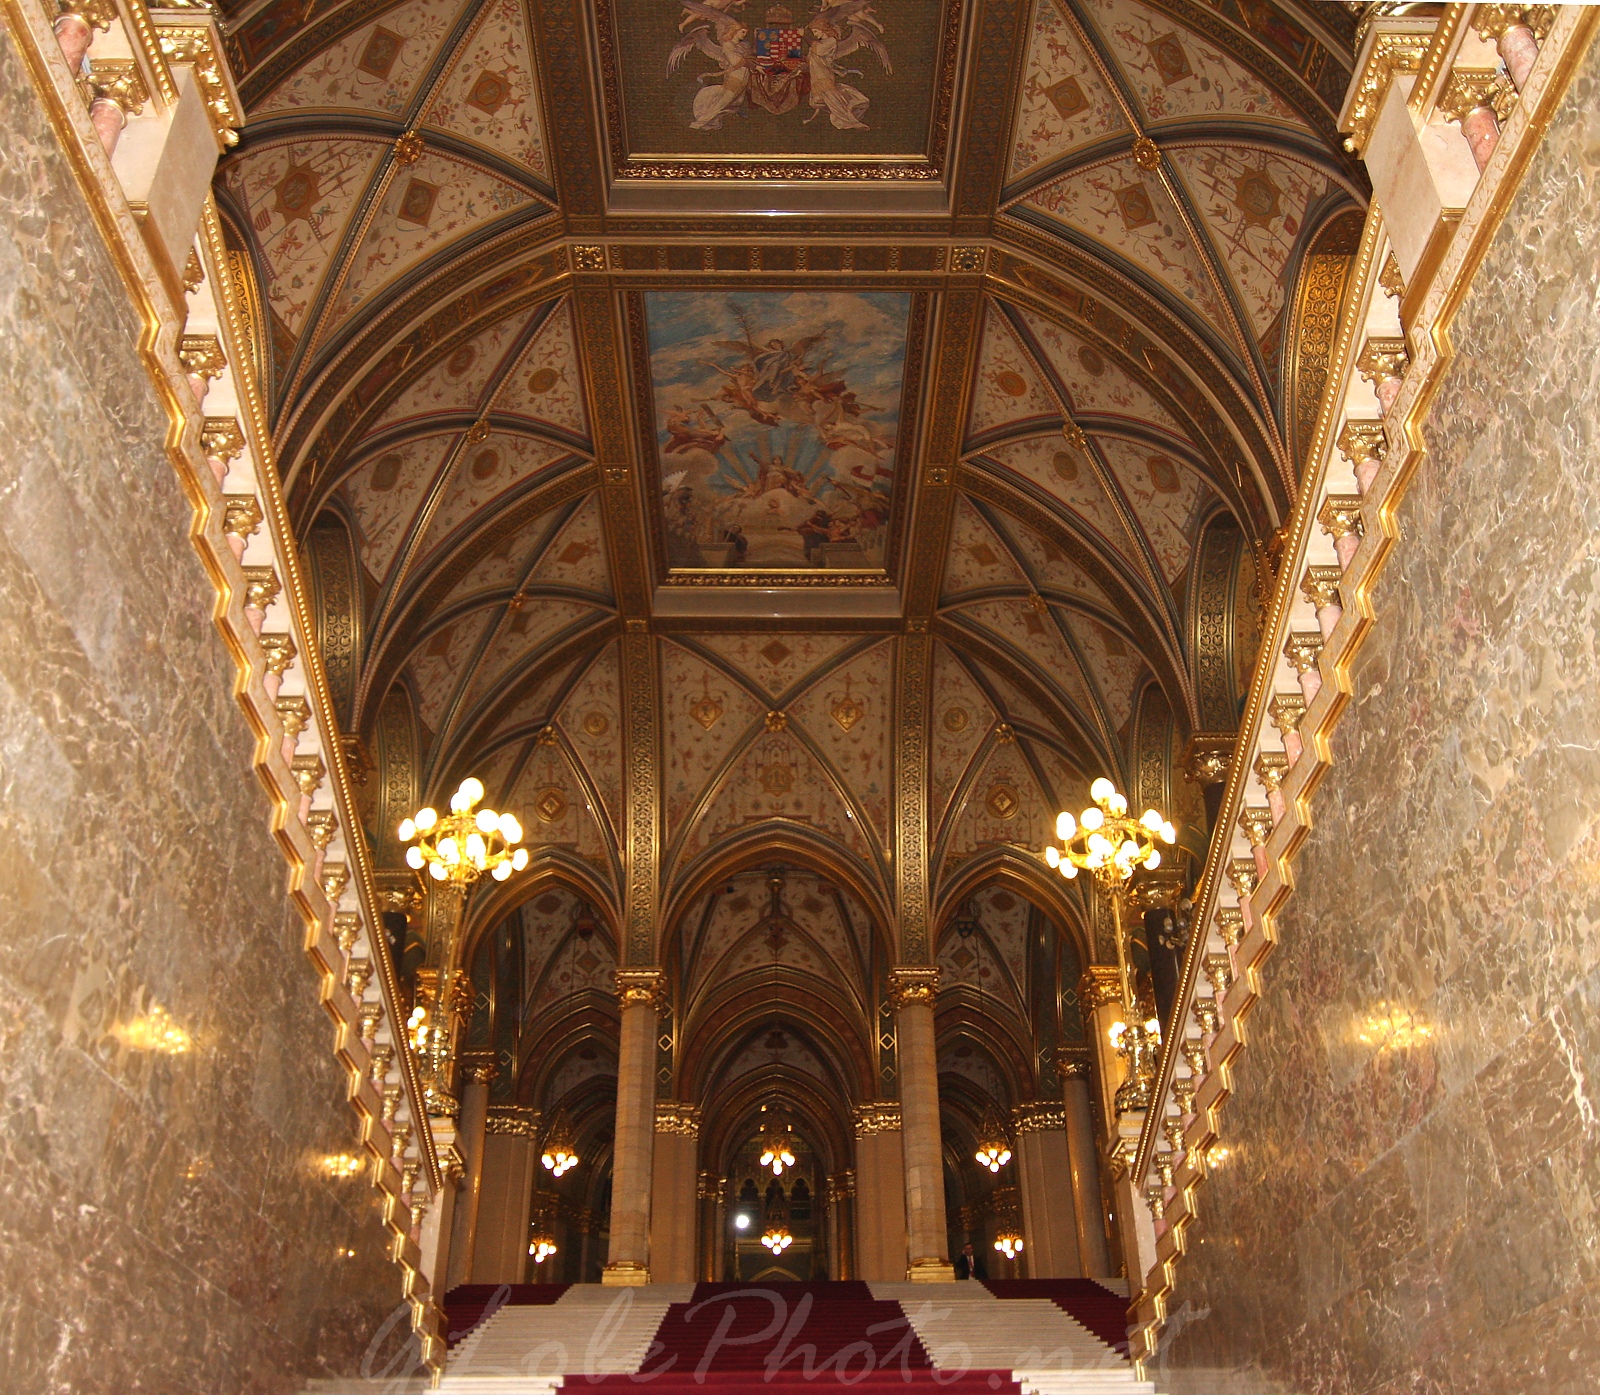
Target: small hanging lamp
993 1150
777 1238
777 1148
560 1150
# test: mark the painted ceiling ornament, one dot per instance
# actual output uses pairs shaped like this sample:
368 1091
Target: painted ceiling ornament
777 63
956 719
706 709
849 709
1257 198
777 721
408 149
1146 154
551 804
1003 801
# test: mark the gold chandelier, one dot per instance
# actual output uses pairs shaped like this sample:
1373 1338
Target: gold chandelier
993 1150
459 847
541 1245
1008 1241
777 1238
1108 844
560 1151
777 1149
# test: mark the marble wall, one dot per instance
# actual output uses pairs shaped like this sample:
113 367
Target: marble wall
1413 1199
165 1223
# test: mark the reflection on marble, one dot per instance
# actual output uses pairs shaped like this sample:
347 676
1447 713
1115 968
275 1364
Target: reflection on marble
167 1091
1412 1203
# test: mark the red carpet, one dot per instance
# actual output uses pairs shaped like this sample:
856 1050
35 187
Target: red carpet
1099 1309
737 1337
466 1305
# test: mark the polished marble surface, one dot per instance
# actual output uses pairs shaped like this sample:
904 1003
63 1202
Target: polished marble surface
1412 1203
163 1222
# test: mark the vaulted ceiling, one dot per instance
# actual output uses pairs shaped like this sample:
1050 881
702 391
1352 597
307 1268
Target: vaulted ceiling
1048 317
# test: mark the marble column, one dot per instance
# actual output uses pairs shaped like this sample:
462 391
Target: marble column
841 1201
881 1192
912 990
1049 1223
510 1171
709 1194
632 1165
672 1210
1088 1206
476 1075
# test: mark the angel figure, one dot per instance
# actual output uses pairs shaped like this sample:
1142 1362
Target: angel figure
730 50
840 29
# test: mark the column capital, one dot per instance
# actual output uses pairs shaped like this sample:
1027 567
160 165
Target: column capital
479 1067
642 987
1100 986
880 1116
521 1120
1073 1063
1038 1117
913 983
676 1117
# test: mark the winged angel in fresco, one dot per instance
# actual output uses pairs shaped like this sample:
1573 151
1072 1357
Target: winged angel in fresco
778 65
779 461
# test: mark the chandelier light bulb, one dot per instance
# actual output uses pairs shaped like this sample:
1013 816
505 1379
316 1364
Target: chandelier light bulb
502 871
1069 870
1118 805
519 859
1151 820
1066 825
426 818
1092 819
487 820
1101 790
1169 834
414 858
1052 857
407 830
437 872
510 829
1153 860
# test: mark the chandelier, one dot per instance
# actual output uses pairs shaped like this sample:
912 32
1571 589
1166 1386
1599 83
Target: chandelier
459 847
777 1238
1108 844
560 1151
1008 1242
777 1149
541 1245
993 1150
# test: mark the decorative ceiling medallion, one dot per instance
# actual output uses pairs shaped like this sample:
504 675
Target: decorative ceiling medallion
775 652
707 711
416 204
746 89
1002 801
551 804
378 57
1133 202
296 192
1067 98
490 92
956 719
777 721
596 724
848 710
1171 62
1257 198
541 380
777 779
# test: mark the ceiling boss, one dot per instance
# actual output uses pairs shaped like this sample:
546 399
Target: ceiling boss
1110 845
455 850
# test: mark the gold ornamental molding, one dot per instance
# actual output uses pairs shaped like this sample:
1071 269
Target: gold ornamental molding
676 1117
1100 986
880 1116
1390 53
642 987
1038 1118
516 1120
913 671
913 984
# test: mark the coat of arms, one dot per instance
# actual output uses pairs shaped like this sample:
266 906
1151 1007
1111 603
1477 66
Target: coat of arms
778 64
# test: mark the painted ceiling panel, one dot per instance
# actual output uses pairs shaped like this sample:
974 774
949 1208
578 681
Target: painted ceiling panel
577 559
778 778
1127 210
426 205
776 662
705 715
533 709
521 636
962 718
1096 384
1166 496
1004 807
385 494
847 717
438 667
1052 569
1032 631
591 719
298 198
457 384
978 558
377 68
1116 668
1064 102
551 801
1255 207
506 563
484 473
547 385
550 948
489 96
1174 73
1008 387
1070 478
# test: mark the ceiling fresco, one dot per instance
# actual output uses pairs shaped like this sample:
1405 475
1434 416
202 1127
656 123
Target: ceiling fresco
778 420
690 467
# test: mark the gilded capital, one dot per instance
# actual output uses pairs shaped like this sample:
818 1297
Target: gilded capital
1100 986
520 1120
1471 88
479 1067
1230 925
1207 756
1271 769
1302 649
1073 1063
1340 516
1320 586
1242 873
1362 439
1257 823
1038 1117
1382 357
1286 710
677 1117
202 356
913 983
1491 21
642 988
880 1116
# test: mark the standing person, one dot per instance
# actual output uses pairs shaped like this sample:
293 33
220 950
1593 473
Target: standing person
968 1265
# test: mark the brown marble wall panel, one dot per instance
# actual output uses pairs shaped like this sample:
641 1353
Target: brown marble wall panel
164 1224
1412 1203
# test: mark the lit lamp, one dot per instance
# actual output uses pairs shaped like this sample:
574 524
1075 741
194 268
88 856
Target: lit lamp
455 849
777 1149
1111 846
1008 1242
993 1150
560 1151
777 1238
541 1245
